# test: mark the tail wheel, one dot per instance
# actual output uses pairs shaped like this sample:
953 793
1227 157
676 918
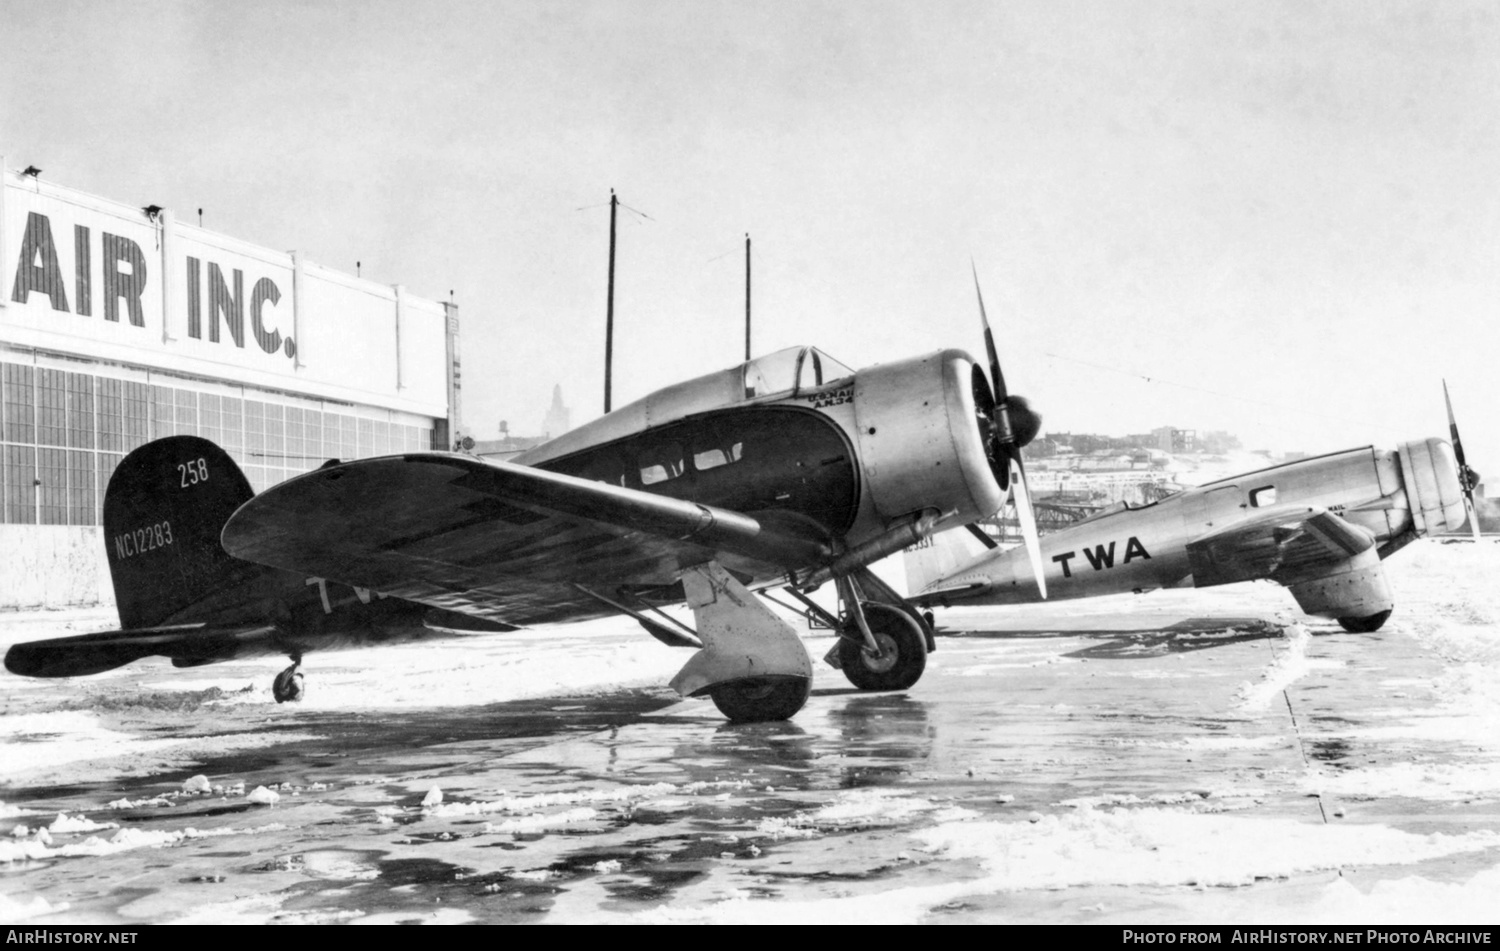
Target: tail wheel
761 698
903 650
1364 625
288 685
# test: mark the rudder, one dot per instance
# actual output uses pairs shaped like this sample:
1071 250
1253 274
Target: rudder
165 507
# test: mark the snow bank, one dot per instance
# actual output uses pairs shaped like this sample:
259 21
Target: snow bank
1172 847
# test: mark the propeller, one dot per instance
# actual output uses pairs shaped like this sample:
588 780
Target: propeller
1468 479
1009 423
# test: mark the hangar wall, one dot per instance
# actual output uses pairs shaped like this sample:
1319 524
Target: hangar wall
120 324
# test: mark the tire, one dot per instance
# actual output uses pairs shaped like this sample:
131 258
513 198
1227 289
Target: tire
760 699
288 685
1364 625
903 650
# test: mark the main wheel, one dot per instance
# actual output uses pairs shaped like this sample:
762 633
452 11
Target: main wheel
761 698
903 651
1364 625
288 685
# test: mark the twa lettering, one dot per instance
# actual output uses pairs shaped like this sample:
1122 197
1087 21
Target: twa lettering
1100 557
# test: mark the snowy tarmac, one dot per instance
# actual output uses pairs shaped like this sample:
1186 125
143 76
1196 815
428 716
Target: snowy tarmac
1181 757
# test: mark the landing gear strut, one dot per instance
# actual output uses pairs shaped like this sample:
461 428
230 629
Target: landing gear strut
883 642
752 663
288 684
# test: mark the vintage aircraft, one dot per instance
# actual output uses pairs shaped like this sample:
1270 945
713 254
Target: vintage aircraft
790 470
1319 526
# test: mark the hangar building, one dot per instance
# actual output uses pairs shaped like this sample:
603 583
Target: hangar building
121 324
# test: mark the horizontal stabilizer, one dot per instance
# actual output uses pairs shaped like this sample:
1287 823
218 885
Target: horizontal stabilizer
95 653
927 597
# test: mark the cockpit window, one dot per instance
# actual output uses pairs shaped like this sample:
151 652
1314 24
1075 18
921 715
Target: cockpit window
772 373
816 368
1263 496
795 367
809 370
660 463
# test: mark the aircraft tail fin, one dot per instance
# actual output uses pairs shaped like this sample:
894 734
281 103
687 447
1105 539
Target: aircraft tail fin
165 507
939 556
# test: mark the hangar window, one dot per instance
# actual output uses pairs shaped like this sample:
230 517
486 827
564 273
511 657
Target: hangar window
660 463
163 412
232 418
1263 496
713 458
18 423
20 482
51 409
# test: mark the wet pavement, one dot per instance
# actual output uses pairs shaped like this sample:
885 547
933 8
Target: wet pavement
1092 765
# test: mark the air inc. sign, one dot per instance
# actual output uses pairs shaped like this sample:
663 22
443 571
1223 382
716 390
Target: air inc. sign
125 273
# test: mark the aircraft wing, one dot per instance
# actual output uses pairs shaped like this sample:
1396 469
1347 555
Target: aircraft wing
1286 544
511 543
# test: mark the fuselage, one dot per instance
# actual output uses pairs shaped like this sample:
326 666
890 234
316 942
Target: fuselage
800 442
1396 496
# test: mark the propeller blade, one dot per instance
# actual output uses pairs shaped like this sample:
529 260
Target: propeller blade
1026 515
1467 478
996 377
1458 446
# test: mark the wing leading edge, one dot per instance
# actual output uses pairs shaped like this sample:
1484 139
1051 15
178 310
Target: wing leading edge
496 539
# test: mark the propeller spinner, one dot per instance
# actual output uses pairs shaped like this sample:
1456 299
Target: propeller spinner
1010 423
1468 479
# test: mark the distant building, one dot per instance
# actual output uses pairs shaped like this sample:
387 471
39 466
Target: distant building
1218 442
1171 439
558 419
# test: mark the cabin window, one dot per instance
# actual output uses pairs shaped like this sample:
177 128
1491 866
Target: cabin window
660 463
1263 496
713 458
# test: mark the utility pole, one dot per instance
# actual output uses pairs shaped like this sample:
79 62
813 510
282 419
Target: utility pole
609 313
747 297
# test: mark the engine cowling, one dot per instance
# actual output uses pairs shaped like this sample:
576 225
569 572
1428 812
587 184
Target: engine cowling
1429 471
919 438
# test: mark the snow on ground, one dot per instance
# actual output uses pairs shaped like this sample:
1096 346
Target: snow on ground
1155 846
1447 602
1289 666
48 745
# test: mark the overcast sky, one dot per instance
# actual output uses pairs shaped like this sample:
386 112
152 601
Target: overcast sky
1279 219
